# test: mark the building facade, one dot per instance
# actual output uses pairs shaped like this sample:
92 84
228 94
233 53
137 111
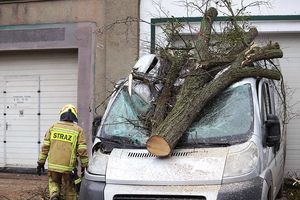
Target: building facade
53 53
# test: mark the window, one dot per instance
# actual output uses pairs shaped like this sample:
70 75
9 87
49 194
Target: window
266 102
227 119
19 1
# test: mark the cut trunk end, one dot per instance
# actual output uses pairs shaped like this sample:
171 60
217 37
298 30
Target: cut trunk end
158 146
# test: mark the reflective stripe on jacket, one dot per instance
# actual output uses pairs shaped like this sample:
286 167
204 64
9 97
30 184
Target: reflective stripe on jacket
62 143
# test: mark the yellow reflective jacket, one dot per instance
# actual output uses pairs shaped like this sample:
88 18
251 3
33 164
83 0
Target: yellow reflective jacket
63 142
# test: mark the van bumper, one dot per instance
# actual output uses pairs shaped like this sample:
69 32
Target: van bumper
91 190
251 189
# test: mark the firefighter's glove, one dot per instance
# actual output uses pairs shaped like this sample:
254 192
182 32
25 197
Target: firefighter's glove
82 171
77 184
74 174
40 168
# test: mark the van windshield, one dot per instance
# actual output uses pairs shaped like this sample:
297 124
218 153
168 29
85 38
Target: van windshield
227 119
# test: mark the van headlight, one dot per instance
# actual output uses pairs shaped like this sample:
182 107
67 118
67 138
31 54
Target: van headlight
98 163
241 160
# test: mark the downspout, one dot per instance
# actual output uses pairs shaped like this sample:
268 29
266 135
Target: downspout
138 29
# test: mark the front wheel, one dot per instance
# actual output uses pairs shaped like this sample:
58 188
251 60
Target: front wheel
280 192
270 196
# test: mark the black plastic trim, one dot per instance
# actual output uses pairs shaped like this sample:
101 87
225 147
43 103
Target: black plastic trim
251 189
92 190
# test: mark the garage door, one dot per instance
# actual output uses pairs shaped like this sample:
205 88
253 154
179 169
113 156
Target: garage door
290 44
33 87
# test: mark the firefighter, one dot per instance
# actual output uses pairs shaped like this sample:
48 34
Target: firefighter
63 142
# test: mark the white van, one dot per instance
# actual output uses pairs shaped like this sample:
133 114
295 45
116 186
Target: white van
235 150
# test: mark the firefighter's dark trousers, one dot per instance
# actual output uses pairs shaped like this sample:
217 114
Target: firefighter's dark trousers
61 184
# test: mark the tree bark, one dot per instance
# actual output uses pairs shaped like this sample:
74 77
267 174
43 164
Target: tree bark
204 35
201 84
163 101
162 142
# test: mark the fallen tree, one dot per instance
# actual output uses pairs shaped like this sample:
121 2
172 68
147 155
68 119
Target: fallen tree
207 66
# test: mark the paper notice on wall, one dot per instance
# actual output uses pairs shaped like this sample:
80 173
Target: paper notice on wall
21 99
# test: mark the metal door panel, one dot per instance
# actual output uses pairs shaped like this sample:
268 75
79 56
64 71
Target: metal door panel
2 136
21 120
58 75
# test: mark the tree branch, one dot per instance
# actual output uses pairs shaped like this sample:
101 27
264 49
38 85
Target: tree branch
267 52
204 35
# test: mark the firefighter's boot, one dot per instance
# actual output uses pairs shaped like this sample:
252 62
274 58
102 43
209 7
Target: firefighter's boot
54 197
54 185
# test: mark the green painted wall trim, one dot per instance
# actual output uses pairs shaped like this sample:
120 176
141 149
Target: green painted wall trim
156 21
251 18
152 39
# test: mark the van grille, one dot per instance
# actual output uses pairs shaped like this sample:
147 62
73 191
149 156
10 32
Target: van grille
156 197
148 155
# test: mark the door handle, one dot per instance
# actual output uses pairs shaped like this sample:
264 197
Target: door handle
6 126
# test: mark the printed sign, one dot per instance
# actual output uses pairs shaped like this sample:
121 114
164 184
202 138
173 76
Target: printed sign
21 99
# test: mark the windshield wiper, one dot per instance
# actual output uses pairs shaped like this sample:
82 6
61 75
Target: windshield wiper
205 144
108 143
214 144
109 140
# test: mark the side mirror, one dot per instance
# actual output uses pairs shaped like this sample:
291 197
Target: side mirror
273 131
96 124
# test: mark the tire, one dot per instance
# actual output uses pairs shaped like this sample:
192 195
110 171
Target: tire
270 196
280 192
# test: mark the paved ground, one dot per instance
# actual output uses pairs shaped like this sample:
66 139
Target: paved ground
26 187
22 186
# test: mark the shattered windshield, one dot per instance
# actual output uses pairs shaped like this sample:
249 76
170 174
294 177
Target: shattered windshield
228 118
124 119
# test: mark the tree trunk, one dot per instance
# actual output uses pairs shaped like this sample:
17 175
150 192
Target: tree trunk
163 101
235 49
185 111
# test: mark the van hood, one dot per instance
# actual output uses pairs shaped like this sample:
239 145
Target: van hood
183 167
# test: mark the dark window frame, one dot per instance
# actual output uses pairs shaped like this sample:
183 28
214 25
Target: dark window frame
22 1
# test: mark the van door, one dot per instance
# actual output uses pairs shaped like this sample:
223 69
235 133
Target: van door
274 158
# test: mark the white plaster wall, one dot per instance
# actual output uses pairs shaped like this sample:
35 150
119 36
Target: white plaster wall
167 8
